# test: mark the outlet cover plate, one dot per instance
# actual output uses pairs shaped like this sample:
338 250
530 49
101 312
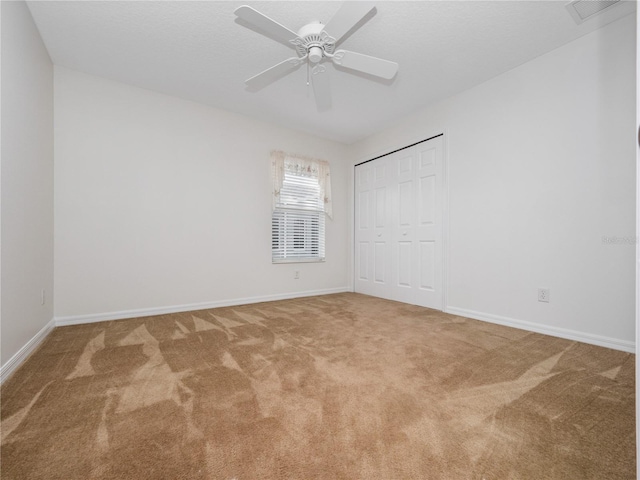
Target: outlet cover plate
544 295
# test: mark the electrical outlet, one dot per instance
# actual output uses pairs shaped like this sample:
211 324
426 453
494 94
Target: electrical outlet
543 295
296 275
42 297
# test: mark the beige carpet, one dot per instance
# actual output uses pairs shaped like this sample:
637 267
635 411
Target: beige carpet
334 387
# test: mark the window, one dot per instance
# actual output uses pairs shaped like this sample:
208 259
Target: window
301 199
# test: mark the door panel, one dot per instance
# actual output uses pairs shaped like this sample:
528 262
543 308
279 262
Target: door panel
427 265
427 156
404 264
363 210
405 164
427 196
380 262
381 207
405 204
363 260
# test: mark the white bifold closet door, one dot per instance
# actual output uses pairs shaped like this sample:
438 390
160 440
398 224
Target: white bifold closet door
398 225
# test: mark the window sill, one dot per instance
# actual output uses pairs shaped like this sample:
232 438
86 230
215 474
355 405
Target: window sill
298 260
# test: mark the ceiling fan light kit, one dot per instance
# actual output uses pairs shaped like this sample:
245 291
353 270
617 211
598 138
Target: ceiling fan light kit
314 43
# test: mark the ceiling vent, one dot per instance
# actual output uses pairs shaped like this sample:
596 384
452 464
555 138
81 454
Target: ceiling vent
582 10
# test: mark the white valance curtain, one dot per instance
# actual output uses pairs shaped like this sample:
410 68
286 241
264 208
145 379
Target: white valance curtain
282 162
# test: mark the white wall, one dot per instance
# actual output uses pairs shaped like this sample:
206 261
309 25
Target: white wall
541 168
163 203
27 182
637 244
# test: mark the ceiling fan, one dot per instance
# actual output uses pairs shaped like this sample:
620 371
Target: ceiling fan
314 44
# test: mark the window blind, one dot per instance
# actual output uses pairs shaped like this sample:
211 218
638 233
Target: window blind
298 219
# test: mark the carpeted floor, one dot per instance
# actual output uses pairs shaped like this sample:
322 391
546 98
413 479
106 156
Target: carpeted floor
335 387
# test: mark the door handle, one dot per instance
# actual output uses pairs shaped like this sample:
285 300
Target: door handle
379 234
404 234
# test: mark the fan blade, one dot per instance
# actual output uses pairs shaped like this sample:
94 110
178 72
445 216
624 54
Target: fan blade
346 18
365 63
272 74
321 87
265 24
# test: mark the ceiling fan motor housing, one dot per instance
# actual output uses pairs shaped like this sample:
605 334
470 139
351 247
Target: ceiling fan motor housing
314 41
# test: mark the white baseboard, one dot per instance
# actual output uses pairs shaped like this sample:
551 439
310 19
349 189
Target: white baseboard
21 355
145 312
599 340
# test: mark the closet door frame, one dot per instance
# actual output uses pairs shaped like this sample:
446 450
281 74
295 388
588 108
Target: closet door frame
444 206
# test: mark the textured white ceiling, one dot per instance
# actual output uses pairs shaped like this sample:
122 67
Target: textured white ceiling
197 51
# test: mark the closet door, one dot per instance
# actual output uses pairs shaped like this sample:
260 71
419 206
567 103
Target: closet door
429 208
372 229
398 226
403 231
